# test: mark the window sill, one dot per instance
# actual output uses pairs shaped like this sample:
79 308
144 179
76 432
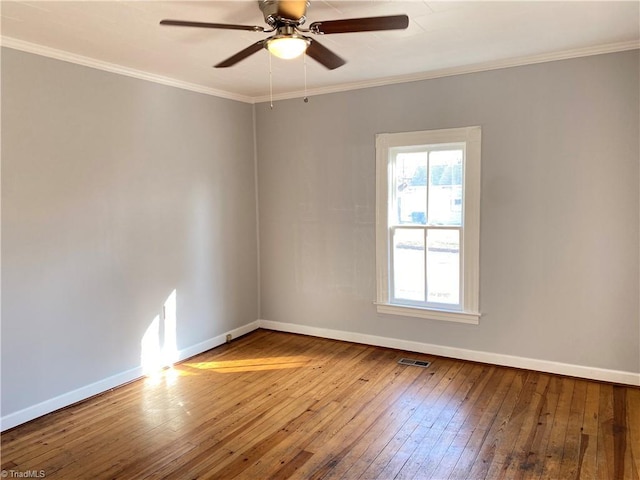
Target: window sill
443 315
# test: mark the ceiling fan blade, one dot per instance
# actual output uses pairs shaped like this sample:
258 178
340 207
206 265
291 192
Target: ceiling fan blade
323 55
370 24
292 9
241 55
224 26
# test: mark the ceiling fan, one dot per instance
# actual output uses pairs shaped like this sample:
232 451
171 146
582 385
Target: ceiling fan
285 18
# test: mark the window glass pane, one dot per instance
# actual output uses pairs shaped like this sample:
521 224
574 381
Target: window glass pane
411 188
443 266
408 264
445 187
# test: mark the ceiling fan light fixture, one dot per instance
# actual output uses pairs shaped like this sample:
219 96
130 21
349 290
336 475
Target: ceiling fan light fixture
287 46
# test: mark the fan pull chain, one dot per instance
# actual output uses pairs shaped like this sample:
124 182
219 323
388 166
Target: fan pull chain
270 83
306 99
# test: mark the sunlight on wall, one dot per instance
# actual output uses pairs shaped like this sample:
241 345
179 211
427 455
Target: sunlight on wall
158 347
170 347
150 347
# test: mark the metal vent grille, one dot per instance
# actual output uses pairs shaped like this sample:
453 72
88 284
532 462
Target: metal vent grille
414 363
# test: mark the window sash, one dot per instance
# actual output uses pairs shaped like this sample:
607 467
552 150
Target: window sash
425 271
428 150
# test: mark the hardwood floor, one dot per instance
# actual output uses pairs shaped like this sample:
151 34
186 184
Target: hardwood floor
278 406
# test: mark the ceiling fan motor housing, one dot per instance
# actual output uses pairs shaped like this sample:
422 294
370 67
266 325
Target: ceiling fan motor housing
277 12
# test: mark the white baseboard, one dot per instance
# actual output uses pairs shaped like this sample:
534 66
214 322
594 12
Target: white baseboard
615 376
591 373
217 341
22 416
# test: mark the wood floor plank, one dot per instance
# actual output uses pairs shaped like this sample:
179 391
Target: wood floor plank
588 458
556 446
278 406
289 468
621 466
633 397
536 456
605 433
575 442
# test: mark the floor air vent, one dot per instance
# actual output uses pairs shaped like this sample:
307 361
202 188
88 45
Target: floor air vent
415 363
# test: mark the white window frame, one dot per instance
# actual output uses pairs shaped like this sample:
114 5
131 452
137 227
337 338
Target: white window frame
470 236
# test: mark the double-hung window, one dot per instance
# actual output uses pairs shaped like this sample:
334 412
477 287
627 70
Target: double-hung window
428 223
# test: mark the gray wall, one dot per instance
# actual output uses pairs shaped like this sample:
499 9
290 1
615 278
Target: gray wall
116 191
560 208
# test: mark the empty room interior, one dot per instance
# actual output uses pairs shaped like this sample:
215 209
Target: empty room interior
407 248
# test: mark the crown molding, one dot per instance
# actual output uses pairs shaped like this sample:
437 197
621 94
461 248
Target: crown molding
463 70
37 49
65 56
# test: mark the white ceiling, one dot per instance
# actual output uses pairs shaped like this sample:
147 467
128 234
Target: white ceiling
442 38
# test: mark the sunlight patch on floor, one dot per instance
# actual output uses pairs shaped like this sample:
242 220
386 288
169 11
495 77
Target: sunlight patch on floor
251 365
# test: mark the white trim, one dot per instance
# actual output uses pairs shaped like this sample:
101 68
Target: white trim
22 416
216 341
382 215
462 70
28 47
429 313
471 257
547 366
470 241
256 192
